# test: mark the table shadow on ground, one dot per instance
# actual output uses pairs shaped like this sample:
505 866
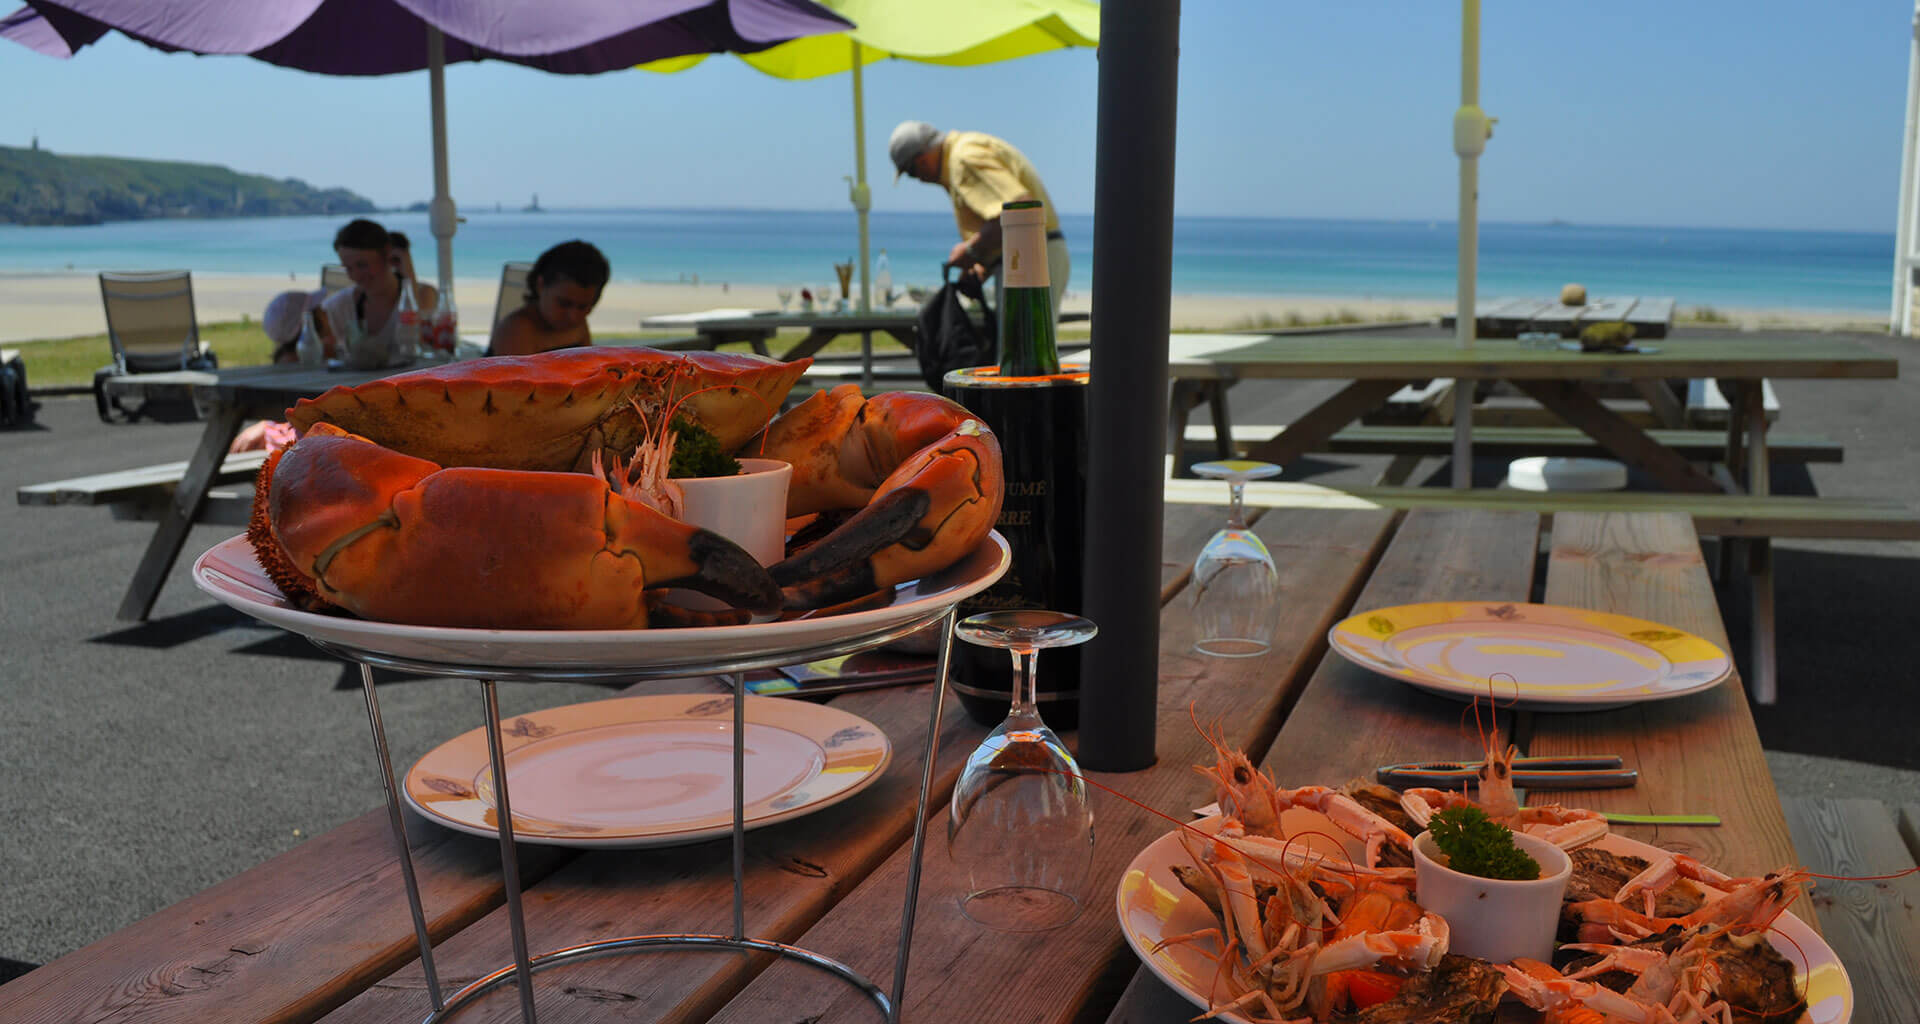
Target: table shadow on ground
1846 685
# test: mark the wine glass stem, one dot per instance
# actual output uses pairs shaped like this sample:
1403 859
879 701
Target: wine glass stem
1236 509
1025 684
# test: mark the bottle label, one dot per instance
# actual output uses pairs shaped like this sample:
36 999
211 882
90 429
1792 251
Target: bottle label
1024 247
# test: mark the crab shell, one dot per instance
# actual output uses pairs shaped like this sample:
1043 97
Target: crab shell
553 410
401 539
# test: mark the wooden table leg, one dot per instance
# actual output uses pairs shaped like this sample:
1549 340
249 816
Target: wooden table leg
171 534
1660 398
1222 422
1320 423
1181 398
1627 442
1752 410
815 340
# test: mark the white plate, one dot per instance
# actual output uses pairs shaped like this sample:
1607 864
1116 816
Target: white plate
1153 904
230 573
1559 658
649 771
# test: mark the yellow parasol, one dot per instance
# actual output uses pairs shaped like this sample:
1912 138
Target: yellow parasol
956 32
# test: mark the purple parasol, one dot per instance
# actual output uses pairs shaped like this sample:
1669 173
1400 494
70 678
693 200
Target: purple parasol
380 37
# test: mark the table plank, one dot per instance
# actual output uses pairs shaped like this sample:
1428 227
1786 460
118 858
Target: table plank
1350 720
962 972
1388 357
795 871
1696 754
1873 926
284 941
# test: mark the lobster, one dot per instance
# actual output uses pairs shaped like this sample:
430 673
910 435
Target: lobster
475 494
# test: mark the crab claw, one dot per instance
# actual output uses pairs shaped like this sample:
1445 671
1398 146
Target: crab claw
935 507
397 538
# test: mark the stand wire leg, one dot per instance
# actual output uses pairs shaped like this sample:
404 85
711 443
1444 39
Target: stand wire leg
400 834
509 860
739 680
898 1005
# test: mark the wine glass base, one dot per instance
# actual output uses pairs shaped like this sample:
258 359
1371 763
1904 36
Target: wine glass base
1020 908
1231 647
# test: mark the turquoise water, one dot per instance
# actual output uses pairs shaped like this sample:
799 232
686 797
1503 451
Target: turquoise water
1811 270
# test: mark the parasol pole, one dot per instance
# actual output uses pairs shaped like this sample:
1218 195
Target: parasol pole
1133 274
1901 321
441 218
862 197
1471 129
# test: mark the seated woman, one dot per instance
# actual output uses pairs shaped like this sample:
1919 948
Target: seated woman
562 288
362 317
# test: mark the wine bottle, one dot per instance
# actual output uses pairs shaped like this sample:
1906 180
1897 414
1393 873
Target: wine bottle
310 350
1026 311
406 334
446 325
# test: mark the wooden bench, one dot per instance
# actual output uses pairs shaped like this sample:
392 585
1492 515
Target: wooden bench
1873 926
143 494
1707 407
1411 443
1721 515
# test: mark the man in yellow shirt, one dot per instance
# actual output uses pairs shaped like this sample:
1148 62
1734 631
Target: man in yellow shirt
981 174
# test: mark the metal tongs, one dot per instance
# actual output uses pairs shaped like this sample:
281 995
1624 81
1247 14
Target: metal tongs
1579 771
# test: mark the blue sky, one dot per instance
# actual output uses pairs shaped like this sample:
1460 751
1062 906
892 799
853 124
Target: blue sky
1764 113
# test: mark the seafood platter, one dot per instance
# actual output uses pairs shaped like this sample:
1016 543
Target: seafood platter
1301 906
527 510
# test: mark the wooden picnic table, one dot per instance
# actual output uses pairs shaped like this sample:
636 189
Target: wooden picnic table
228 398
1649 316
322 932
756 327
1378 365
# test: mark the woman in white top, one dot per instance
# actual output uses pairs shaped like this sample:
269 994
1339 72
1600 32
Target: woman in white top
363 316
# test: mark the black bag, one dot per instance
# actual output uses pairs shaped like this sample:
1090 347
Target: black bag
949 338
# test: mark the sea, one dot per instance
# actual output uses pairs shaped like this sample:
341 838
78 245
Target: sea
1825 271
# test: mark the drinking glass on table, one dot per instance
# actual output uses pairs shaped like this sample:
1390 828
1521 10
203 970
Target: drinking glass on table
1235 587
785 294
1020 826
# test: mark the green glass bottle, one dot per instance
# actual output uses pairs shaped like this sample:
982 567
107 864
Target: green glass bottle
1026 309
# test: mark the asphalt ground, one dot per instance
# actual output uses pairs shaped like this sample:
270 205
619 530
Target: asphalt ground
141 763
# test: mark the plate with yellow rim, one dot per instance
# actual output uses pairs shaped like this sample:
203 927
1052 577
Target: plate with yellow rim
1558 658
1152 905
649 771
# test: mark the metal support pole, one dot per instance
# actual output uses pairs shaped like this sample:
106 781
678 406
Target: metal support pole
1901 322
442 219
1133 260
399 828
1470 131
862 196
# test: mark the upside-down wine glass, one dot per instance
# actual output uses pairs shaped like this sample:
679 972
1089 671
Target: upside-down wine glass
1236 589
1020 827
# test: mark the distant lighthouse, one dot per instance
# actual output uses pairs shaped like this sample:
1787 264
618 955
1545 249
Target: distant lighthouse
534 207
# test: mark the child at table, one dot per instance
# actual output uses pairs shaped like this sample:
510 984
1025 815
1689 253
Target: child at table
562 288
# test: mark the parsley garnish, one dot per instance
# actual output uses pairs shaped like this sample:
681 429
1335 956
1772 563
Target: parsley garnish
1477 845
697 452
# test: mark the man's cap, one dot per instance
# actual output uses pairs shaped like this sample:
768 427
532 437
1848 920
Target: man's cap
909 140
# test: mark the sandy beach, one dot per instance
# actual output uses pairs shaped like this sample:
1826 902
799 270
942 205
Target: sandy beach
66 305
